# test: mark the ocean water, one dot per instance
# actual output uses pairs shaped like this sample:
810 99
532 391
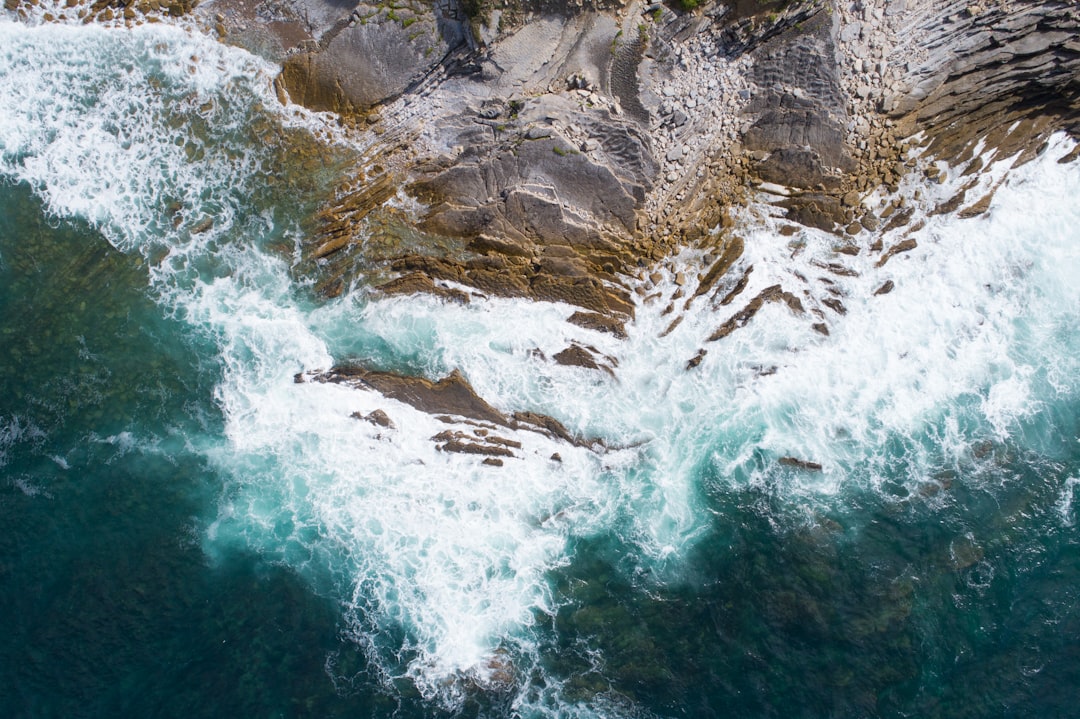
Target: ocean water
186 531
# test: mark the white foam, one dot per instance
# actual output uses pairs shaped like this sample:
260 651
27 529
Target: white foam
1065 501
442 563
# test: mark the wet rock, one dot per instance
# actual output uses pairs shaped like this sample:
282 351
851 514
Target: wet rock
460 447
852 199
732 250
800 464
835 305
550 426
451 395
578 356
812 210
376 417
599 322
978 207
770 294
696 359
737 290
885 288
419 283
952 204
902 246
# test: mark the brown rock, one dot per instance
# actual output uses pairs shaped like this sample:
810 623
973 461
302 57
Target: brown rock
835 305
460 447
576 356
451 395
885 288
379 418
596 321
418 282
800 464
902 246
731 252
770 294
979 207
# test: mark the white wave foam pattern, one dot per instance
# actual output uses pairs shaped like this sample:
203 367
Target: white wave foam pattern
440 561
142 133
977 336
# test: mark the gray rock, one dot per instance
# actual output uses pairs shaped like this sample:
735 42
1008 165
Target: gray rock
537 132
358 67
851 32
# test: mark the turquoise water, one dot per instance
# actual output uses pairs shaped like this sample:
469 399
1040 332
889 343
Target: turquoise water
188 532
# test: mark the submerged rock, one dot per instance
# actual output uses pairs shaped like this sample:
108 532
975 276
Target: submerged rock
800 464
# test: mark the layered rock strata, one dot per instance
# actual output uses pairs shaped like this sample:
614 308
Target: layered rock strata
552 150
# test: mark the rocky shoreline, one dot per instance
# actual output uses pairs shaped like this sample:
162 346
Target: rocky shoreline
559 150
566 150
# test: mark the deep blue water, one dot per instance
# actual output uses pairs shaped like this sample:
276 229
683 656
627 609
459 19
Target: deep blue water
185 532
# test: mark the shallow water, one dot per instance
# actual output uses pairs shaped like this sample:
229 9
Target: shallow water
189 532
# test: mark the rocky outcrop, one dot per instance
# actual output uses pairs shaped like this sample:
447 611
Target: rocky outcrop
373 54
451 400
553 149
979 65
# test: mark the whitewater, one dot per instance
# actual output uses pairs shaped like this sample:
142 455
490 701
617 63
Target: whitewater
175 148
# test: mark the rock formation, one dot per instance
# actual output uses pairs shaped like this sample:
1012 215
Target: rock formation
564 149
553 148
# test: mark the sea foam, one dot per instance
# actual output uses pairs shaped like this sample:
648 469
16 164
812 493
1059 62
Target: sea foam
442 564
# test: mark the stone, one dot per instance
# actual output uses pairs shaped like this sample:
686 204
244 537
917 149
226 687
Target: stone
851 32
599 322
452 395
902 246
576 356
800 464
885 288
355 68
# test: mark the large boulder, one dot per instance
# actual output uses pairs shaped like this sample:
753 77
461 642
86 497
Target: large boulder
373 53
